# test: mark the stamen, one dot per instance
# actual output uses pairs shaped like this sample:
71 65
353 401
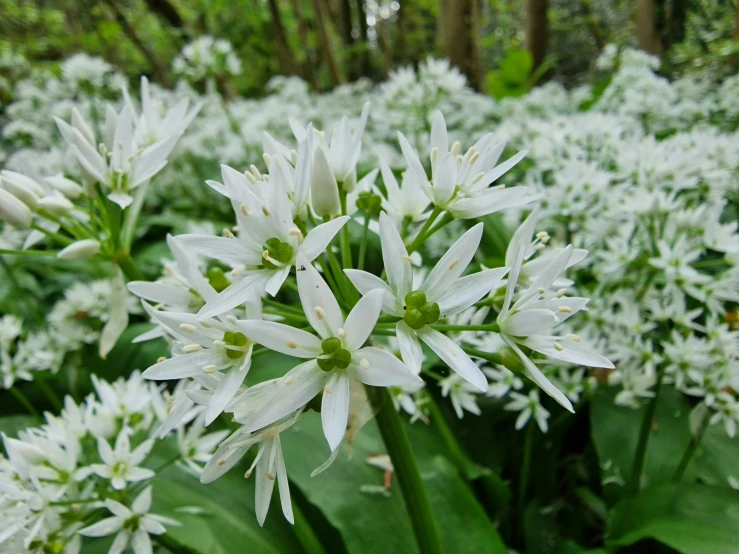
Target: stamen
294 157
187 328
320 312
407 258
456 147
565 309
244 210
573 338
231 319
291 344
561 293
266 212
191 348
266 157
255 172
205 323
161 359
453 265
364 363
210 368
227 232
434 154
341 333
558 347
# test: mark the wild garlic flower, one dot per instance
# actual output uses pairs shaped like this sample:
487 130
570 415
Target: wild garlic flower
460 184
268 241
335 357
442 294
120 465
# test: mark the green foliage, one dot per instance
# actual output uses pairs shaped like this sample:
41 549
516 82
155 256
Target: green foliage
516 75
691 518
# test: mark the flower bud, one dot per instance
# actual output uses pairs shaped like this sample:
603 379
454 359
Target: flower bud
13 211
350 181
80 250
67 187
23 188
56 205
323 186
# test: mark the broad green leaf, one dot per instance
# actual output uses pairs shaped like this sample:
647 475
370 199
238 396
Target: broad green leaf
615 432
219 518
12 424
691 518
716 457
516 67
371 520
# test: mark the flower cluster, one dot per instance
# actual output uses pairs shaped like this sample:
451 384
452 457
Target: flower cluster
207 57
87 471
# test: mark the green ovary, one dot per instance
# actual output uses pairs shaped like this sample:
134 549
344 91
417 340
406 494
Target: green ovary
419 312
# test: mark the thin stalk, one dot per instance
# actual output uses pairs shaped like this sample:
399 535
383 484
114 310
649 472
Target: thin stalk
175 547
523 483
49 394
346 288
37 253
363 244
306 536
641 448
420 237
690 450
23 399
284 307
492 327
129 267
346 250
455 449
330 278
64 241
406 469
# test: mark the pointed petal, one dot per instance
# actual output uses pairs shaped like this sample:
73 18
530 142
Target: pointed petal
453 355
529 322
236 294
281 338
335 408
366 282
410 347
468 290
382 368
573 352
362 319
452 264
395 257
225 392
181 367
319 303
318 238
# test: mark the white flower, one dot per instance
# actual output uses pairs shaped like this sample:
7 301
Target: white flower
460 184
195 446
461 393
530 319
132 526
442 294
528 406
121 465
335 356
405 201
503 381
79 250
268 242
210 346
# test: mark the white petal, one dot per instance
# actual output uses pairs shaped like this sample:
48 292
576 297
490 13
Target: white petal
453 355
319 303
335 408
164 293
140 542
230 251
143 502
529 322
362 319
319 237
281 338
292 391
522 237
236 294
274 284
452 264
384 369
282 481
226 390
501 169
181 367
103 528
547 277
410 347
411 157
492 201
535 374
265 484
438 133
573 352
395 257
119 543
468 290
365 282
445 179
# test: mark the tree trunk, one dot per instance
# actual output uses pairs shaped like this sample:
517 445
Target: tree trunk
158 69
458 35
365 65
287 60
309 72
167 11
345 22
537 30
646 30
328 51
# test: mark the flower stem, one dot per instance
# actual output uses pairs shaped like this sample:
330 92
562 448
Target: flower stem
492 327
523 483
306 536
690 450
405 467
363 244
128 266
641 448
346 252
23 399
7 252
421 236
49 394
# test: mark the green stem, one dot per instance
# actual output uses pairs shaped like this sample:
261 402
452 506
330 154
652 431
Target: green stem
23 399
405 467
632 486
346 251
363 244
492 327
49 394
64 241
709 263
420 237
330 278
694 442
43 253
456 452
172 545
523 483
129 267
307 537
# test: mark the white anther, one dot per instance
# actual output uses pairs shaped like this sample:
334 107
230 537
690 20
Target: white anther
320 312
573 338
191 348
364 363
560 293
232 319
565 309
161 359
558 347
291 344
266 157
210 368
341 333
187 328
227 232
244 209
265 211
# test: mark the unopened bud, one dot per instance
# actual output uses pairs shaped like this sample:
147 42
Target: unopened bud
80 250
23 188
56 205
67 187
13 211
324 189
